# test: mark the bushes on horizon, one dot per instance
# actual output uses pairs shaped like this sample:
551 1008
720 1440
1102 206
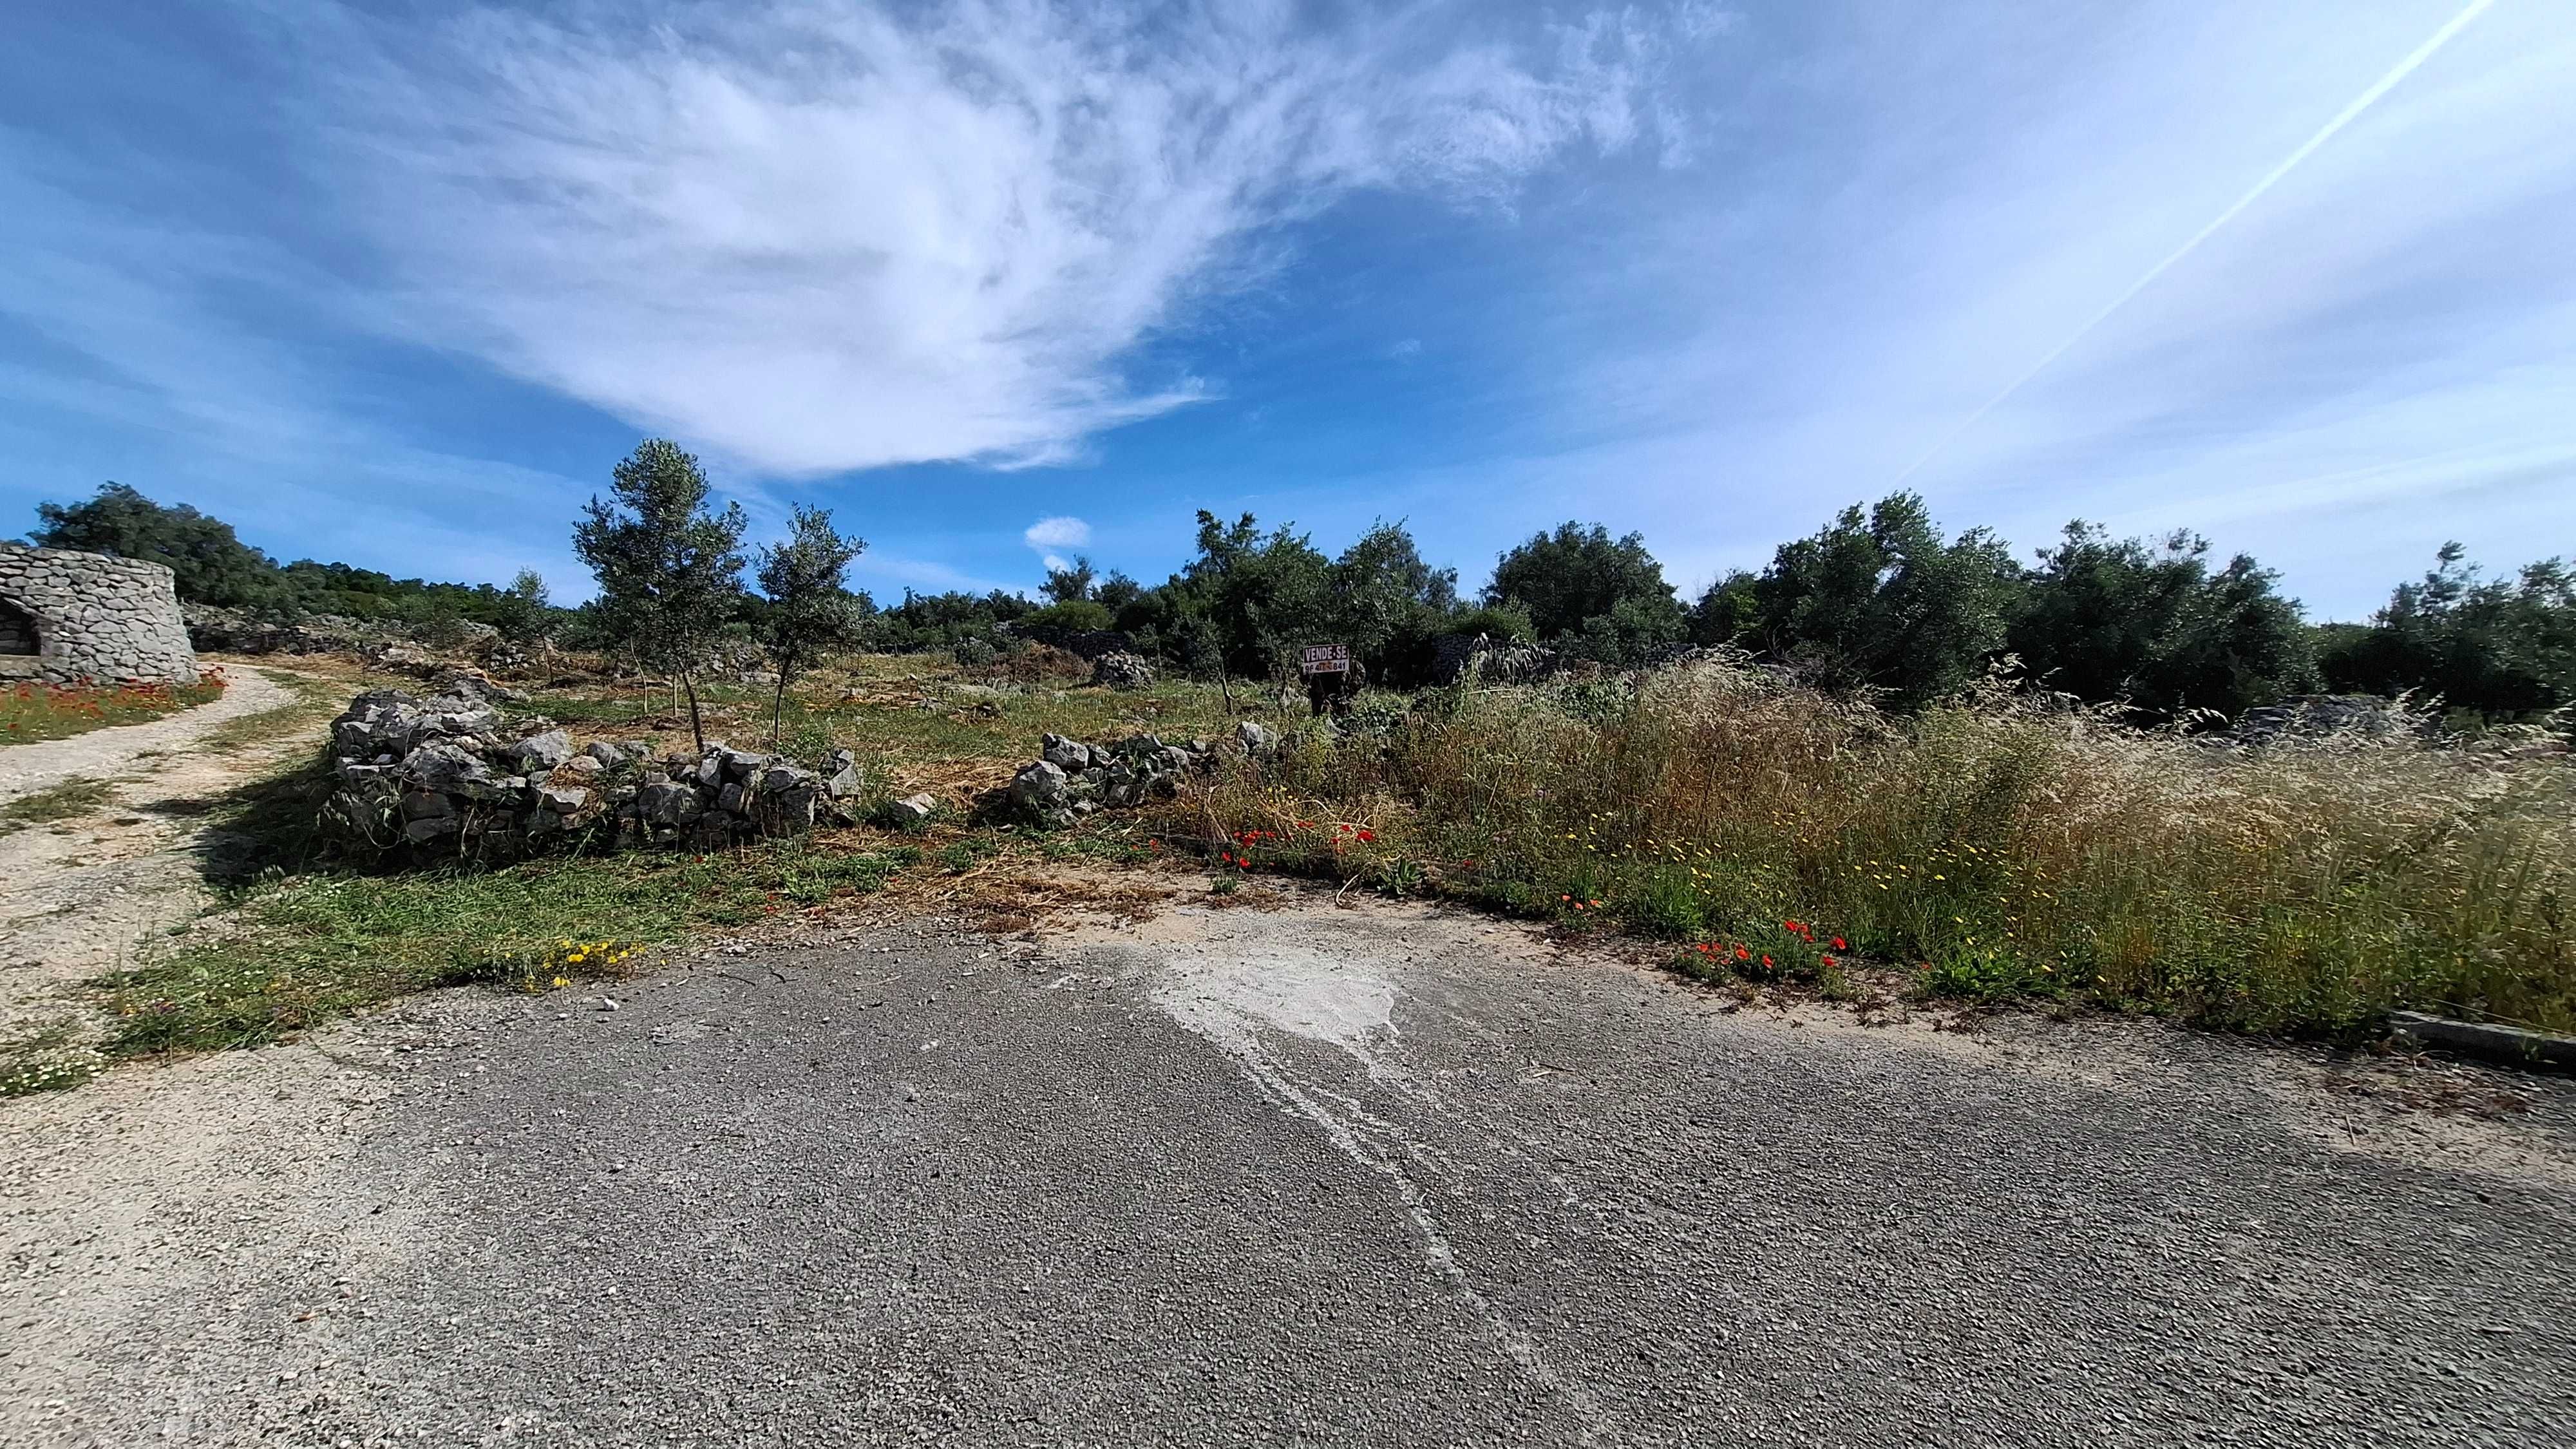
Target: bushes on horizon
2503 648
1590 595
1879 601
2112 619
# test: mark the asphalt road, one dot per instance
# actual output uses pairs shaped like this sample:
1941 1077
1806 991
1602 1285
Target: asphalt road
1340 1177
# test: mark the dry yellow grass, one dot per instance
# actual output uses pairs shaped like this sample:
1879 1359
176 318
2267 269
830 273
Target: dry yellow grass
2002 846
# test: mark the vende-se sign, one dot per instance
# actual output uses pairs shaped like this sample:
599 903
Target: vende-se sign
1327 659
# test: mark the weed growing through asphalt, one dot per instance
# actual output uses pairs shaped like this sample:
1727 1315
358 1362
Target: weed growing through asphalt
47 1062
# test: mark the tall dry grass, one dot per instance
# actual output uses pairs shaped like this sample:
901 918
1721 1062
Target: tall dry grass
2000 846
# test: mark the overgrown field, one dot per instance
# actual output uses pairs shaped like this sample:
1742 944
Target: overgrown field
1996 848
31 711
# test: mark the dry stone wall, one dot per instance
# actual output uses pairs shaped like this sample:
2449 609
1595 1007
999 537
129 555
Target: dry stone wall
72 618
449 775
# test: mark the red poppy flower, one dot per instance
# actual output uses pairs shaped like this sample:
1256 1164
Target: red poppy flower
1826 960
1838 943
1742 954
1766 963
1368 835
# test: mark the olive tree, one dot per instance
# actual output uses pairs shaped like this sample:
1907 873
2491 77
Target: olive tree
807 606
669 571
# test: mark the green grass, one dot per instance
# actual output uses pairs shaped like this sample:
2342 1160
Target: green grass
70 800
45 1061
314 947
31 711
311 699
311 943
1986 851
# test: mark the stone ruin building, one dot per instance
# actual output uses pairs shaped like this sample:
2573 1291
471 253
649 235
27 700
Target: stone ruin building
75 618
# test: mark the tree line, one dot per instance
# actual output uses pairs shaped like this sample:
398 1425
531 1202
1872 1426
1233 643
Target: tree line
1881 599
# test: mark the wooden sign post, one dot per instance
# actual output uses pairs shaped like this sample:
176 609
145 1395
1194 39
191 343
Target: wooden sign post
1329 685
1326 659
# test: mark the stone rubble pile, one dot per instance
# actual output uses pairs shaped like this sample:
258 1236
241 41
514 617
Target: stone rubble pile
448 773
1121 670
1071 779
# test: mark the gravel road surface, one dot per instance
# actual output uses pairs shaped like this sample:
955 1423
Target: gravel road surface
1324 1176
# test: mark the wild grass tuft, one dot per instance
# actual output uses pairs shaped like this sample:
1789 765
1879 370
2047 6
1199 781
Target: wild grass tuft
68 800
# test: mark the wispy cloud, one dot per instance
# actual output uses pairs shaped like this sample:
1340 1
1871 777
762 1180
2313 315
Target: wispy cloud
822 236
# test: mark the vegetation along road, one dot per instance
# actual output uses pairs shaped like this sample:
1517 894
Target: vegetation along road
1267 1168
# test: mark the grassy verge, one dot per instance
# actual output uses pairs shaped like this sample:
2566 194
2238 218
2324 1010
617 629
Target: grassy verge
917 722
31 711
1993 850
311 948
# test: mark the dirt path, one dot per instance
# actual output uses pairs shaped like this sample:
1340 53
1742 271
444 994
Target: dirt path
85 896
98 754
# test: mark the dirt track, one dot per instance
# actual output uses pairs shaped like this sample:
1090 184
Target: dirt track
80 899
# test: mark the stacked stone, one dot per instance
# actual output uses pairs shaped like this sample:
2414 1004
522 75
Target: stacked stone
1121 670
83 618
724 794
444 775
1071 779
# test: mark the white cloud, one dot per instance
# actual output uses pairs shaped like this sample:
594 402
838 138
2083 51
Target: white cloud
1059 532
815 236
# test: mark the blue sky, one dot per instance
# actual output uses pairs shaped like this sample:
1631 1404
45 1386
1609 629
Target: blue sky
398 283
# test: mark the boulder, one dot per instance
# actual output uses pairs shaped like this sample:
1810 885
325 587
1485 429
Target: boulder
449 768
542 752
1071 756
841 775
668 803
910 810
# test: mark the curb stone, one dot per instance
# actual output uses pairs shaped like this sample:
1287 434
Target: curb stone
2509 1046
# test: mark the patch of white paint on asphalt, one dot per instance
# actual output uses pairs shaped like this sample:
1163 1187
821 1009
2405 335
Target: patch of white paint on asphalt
1309 993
